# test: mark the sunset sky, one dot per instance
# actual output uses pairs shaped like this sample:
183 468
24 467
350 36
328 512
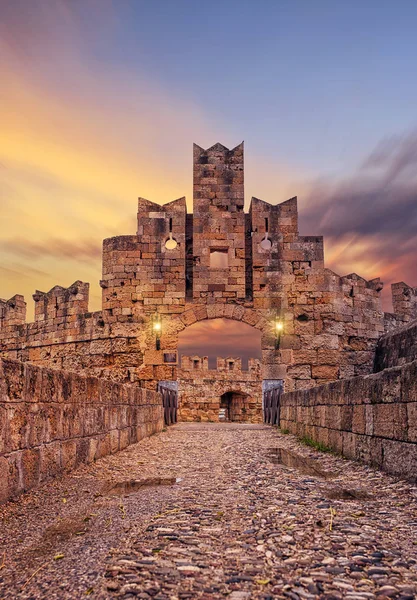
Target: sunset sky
101 101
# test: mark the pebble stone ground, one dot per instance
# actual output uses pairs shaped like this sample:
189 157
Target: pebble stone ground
236 525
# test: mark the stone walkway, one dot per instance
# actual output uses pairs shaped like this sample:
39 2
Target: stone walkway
237 524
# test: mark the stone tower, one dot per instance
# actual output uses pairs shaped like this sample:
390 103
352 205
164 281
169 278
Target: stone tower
218 224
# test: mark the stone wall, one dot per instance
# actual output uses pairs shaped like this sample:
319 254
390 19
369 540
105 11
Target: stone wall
404 300
397 348
203 392
331 323
372 418
51 421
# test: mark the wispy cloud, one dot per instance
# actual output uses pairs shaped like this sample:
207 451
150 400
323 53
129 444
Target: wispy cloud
82 138
370 219
76 249
21 272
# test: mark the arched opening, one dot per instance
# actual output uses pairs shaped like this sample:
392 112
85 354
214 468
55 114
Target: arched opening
219 371
226 338
234 406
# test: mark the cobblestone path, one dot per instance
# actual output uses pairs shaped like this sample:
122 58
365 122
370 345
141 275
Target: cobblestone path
237 524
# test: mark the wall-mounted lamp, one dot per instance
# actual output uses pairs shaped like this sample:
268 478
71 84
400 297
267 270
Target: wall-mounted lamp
279 329
157 329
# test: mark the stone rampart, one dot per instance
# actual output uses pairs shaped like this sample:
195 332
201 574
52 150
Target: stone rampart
397 348
51 421
371 418
218 262
204 394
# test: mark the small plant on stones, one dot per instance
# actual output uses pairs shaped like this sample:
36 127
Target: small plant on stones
316 445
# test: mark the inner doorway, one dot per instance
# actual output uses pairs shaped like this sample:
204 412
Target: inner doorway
233 406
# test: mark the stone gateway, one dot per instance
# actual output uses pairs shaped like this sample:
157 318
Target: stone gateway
218 262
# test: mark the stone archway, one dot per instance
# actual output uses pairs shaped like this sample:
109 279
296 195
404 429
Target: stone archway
221 393
227 311
173 325
200 400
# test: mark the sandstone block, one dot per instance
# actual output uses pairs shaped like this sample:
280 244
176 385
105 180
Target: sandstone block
412 421
30 468
400 458
50 460
300 372
359 419
68 454
383 420
326 372
5 491
114 440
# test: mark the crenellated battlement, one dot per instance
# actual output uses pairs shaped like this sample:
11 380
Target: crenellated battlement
218 154
12 311
159 221
404 300
62 303
217 262
194 363
224 364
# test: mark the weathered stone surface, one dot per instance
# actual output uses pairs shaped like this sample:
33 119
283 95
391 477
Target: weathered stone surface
397 348
264 268
225 393
237 524
371 418
69 424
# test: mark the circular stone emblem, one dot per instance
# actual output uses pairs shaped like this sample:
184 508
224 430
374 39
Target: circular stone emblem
171 244
266 244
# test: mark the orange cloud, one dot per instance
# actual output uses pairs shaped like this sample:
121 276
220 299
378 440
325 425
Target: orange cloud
369 219
81 138
80 141
220 337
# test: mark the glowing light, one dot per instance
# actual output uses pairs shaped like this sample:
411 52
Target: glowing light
279 328
157 328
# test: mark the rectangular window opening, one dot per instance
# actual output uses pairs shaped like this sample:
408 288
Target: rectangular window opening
170 357
219 258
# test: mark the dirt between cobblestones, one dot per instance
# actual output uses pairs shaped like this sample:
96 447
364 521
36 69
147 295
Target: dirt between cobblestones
206 511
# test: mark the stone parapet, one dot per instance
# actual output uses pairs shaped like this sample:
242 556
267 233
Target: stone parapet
371 418
404 300
397 348
51 421
13 311
62 305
